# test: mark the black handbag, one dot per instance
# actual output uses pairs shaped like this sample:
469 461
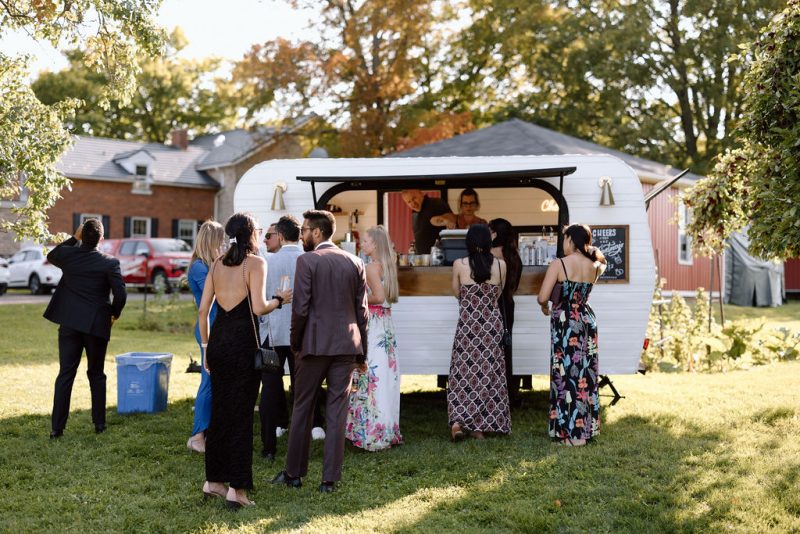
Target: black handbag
265 359
555 294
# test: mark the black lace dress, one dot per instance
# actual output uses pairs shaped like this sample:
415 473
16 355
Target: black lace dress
234 389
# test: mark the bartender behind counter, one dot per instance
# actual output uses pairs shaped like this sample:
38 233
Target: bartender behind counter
425 208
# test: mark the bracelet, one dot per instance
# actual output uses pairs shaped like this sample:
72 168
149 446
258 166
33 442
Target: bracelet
203 345
280 301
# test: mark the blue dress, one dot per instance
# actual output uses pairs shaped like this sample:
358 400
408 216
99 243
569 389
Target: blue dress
198 272
574 372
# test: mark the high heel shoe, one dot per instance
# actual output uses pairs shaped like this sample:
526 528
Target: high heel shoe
456 432
235 505
208 493
193 446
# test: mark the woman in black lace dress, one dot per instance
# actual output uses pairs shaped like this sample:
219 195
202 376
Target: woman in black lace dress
230 347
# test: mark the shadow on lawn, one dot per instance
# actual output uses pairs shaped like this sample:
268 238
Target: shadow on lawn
633 478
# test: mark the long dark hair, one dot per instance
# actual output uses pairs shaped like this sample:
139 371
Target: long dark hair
507 238
479 247
242 227
581 236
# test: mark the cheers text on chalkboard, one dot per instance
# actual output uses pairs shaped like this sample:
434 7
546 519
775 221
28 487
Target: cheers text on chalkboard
613 242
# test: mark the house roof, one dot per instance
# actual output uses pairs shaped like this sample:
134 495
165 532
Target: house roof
95 158
519 138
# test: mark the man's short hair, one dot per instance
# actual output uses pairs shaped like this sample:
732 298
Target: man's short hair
323 220
289 227
91 232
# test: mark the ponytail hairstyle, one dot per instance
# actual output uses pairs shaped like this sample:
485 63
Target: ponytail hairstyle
479 247
240 231
386 255
581 236
507 238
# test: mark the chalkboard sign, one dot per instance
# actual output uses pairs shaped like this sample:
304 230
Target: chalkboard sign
613 242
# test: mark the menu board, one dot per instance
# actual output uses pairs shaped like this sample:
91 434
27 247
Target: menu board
613 242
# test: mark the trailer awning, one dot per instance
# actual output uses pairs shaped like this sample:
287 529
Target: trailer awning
419 181
660 188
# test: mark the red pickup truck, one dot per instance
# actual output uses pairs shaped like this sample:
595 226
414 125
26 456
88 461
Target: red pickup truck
163 262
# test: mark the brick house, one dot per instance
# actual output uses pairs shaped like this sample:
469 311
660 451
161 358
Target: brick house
157 190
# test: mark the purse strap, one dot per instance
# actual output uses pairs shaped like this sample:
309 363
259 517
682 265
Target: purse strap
250 306
502 296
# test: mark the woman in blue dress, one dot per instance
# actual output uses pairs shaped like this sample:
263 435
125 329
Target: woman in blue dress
208 247
574 416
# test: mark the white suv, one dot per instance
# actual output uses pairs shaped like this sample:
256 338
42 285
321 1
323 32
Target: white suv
29 268
3 275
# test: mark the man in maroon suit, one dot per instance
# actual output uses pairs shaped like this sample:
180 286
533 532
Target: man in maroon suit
329 339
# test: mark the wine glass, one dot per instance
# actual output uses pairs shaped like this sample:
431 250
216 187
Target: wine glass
286 283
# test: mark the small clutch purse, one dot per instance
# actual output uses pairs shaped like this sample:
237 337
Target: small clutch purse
555 295
267 360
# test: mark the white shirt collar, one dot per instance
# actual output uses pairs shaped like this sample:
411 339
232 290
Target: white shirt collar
296 244
326 242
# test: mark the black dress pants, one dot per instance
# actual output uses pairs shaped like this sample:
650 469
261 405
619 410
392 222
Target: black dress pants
272 408
71 345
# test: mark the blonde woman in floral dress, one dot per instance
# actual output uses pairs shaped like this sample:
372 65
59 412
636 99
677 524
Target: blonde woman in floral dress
373 421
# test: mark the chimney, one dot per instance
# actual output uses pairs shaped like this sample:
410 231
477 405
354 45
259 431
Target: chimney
180 138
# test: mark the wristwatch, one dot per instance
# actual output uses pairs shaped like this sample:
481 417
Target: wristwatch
280 301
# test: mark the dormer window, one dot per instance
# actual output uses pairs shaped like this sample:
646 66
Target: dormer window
141 170
139 163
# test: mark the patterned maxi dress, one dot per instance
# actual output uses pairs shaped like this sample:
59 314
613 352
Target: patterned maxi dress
477 392
574 375
373 420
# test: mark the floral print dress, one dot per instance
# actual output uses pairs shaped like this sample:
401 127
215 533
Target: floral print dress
574 374
373 420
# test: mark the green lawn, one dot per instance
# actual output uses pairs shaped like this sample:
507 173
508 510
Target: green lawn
682 452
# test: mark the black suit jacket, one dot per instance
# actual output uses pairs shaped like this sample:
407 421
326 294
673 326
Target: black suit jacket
81 300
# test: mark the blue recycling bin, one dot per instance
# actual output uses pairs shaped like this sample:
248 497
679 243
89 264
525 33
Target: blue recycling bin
142 381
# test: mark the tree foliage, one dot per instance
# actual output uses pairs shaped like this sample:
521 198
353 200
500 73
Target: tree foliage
171 92
650 77
33 136
758 183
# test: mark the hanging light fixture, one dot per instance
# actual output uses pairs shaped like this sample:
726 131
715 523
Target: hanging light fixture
606 195
277 197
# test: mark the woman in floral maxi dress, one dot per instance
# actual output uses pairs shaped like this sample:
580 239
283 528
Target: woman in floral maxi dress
373 420
574 416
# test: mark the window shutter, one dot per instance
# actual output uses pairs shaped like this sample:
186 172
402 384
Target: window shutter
126 231
199 224
175 233
76 221
106 227
154 227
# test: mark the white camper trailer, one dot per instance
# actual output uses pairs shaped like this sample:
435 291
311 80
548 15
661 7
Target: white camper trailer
537 194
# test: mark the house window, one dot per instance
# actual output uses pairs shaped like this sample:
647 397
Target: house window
86 216
187 230
140 226
684 242
141 181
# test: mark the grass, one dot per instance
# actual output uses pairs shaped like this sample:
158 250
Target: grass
681 452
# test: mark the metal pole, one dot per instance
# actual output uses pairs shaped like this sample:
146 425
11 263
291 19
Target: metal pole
711 293
721 309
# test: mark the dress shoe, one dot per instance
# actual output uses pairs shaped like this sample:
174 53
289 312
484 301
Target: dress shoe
268 456
283 478
196 445
327 487
99 429
235 505
55 434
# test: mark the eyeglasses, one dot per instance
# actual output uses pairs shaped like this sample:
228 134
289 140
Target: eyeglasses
304 229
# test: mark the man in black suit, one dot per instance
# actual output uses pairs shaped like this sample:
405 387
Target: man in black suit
81 306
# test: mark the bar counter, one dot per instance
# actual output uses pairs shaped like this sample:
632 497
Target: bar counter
436 281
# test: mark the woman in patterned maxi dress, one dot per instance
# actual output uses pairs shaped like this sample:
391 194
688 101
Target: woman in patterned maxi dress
477 392
574 415
373 419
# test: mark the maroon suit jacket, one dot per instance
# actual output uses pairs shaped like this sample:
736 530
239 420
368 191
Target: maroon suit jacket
329 304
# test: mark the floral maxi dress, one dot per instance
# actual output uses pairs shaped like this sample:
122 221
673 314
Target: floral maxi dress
574 374
373 420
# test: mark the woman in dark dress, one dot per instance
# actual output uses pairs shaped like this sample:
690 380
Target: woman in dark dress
574 416
504 247
477 396
230 347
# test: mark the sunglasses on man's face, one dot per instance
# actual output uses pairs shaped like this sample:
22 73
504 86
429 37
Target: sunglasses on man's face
269 235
